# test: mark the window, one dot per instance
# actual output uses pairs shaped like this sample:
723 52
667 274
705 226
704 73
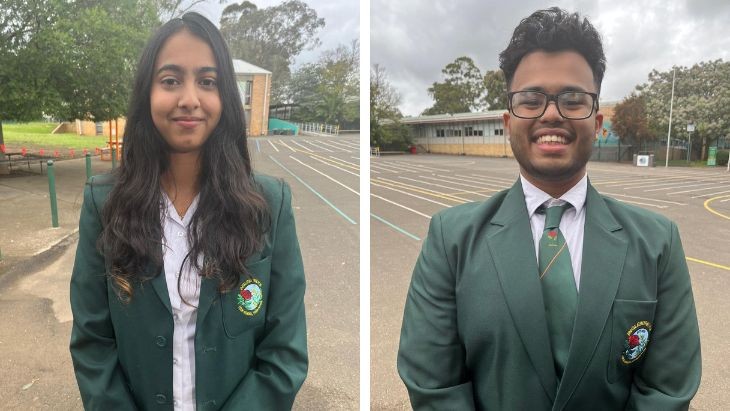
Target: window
469 131
440 132
244 89
498 132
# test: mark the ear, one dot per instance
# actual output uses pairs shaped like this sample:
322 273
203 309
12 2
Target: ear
506 119
599 123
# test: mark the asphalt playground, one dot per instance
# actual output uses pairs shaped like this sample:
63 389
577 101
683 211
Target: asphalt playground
35 366
406 190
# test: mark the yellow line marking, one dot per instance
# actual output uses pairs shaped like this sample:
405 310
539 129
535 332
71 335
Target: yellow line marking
695 260
471 192
707 206
422 190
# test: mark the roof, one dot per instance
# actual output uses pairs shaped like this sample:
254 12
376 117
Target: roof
455 118
244 67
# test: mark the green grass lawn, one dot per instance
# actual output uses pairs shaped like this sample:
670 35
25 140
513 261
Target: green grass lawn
37 135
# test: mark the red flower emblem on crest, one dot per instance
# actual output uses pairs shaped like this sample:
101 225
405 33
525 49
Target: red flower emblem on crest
552 234
246 294
633 341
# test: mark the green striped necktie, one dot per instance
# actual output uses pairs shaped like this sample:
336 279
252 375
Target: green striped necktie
558 285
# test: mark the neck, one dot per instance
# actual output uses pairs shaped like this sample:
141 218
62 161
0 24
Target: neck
181 178
556 188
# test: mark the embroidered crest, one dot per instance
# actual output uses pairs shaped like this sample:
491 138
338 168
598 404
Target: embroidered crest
637 337
552 234
250 297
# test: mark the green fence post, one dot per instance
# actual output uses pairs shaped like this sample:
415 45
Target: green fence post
88 166
52 191
114 157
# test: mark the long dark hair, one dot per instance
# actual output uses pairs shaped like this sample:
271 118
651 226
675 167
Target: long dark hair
232 216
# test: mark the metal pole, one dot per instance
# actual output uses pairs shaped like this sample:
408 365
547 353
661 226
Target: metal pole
114 157
52 192
88 166
689 147
671 105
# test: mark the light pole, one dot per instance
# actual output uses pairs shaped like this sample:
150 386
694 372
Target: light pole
690 129
671 104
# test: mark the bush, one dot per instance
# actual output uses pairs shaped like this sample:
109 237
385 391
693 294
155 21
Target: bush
722 157
391 137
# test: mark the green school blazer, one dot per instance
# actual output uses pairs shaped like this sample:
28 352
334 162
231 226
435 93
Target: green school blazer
122 353
474 333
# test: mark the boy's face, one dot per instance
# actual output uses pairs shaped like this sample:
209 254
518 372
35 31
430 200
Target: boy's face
562 161
184 98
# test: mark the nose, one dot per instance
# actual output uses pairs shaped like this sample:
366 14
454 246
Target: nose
551 113
189 96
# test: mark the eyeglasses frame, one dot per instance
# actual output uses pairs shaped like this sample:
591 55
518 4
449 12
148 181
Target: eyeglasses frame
549 98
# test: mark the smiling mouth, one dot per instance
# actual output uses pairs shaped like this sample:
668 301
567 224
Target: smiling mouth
551 139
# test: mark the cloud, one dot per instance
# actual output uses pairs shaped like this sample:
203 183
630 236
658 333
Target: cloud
414 41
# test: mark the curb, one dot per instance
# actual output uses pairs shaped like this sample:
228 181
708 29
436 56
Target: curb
39 260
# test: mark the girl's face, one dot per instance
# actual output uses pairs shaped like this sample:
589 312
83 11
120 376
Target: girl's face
184 98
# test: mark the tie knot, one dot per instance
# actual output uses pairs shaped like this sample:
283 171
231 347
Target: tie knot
554 214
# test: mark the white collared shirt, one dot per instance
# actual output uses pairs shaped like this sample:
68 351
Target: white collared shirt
572 224
175 247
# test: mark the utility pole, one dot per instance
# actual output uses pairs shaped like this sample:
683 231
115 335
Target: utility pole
671 105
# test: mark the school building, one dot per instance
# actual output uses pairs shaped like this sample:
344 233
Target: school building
254 86
479 133
483 134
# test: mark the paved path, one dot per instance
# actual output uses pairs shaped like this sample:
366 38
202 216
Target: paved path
406 190
35 366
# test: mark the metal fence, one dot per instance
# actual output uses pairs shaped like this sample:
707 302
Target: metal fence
319 128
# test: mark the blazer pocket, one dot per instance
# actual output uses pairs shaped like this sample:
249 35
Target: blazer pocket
244 307
631 331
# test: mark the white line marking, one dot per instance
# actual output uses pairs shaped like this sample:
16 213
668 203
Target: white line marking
272 145
317 171
401 206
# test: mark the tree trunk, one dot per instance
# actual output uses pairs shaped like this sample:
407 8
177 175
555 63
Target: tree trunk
4 169
704 149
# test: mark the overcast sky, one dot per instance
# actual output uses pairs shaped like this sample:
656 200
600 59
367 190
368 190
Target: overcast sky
341 18
413 40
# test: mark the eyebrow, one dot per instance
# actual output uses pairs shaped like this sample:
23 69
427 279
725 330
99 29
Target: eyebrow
562 90
177 69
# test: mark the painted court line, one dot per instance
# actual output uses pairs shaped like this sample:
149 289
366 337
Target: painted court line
321 173
724 267
395 227
401 206
439 185
711 194
272 145
423 190
712 210
372 183
644 198
471 185
332 164
286 145
305 148
319 146
258 147
314 191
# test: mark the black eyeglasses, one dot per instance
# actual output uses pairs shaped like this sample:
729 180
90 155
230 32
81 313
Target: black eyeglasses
572 105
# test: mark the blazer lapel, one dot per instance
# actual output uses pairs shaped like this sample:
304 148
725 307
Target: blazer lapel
513 252
604 252
159 283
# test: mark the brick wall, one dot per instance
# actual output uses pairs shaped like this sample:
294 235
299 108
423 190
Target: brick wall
260 105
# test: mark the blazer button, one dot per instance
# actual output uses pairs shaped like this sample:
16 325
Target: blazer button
160 341
160 398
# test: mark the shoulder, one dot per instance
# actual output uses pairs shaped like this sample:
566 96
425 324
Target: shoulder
98 187
459 220
636 219
275 190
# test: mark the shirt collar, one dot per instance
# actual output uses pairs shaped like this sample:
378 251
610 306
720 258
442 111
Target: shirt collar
534 197
171 213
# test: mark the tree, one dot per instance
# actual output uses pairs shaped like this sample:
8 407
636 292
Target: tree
701 96
462 89
271 37
328 90
630 122
496 90
386 130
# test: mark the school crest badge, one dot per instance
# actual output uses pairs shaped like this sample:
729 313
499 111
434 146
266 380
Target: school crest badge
250 297
637 338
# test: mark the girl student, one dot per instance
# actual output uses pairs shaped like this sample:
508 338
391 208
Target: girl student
188 286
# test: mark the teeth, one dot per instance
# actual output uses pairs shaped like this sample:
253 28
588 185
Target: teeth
552 140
